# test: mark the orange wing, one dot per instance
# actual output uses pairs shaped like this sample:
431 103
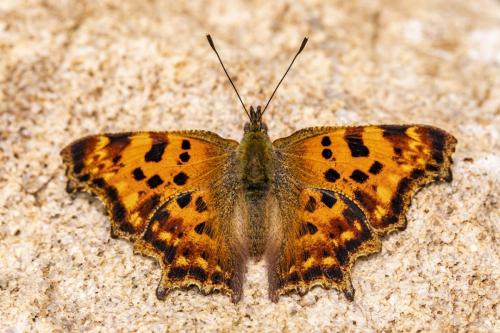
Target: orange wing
374 169
328 233
145 180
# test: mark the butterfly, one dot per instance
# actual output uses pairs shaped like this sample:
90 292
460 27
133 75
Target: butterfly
308 204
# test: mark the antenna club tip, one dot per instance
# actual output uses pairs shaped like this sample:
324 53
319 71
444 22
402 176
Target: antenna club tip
304 42
210 41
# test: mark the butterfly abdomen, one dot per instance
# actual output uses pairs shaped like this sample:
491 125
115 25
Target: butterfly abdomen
255 157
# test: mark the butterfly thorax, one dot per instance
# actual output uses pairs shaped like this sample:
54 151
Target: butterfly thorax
255 154
255 159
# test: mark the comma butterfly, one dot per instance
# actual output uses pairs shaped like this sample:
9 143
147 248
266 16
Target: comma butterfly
310 204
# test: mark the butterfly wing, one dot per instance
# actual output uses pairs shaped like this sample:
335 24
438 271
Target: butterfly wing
370 173
173 195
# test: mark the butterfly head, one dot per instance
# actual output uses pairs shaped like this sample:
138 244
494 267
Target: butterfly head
255 124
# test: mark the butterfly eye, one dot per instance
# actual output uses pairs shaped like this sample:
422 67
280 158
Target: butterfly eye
264 127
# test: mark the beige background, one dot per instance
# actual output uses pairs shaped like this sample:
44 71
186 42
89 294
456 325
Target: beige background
72 68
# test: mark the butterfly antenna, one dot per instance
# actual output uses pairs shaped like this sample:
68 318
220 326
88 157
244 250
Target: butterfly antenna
304 42
211 42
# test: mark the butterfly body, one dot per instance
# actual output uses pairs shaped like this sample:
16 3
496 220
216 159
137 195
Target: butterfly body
256 157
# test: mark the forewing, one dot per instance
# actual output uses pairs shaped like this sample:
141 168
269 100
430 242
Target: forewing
378 167
143 176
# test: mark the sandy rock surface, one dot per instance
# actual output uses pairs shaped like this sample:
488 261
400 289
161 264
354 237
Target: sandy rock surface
72 68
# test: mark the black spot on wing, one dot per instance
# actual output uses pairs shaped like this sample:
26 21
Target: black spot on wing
431 167
333 273
342 255
325 141
331 175
148 206
177 273
357 147
99 182
326 153
353 137
156 152
199 228
352 244
184 157
397 201
118 211
216 278
293 277
375 168
198 273
112 193
437 140
78 167
161 215
365 233
201 205
119 139
170 252
127 227
389 219
311 228
84 178
328 199
159 245
117 143
350 215
154 181
438 156
184 199
311 204
186 144
117 159
391 131
312 273
181 178
78 155
417 173
359 176
366 200
138 174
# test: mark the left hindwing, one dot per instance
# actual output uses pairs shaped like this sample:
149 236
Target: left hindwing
374 170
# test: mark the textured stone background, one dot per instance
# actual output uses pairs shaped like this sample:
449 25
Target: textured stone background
72 68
